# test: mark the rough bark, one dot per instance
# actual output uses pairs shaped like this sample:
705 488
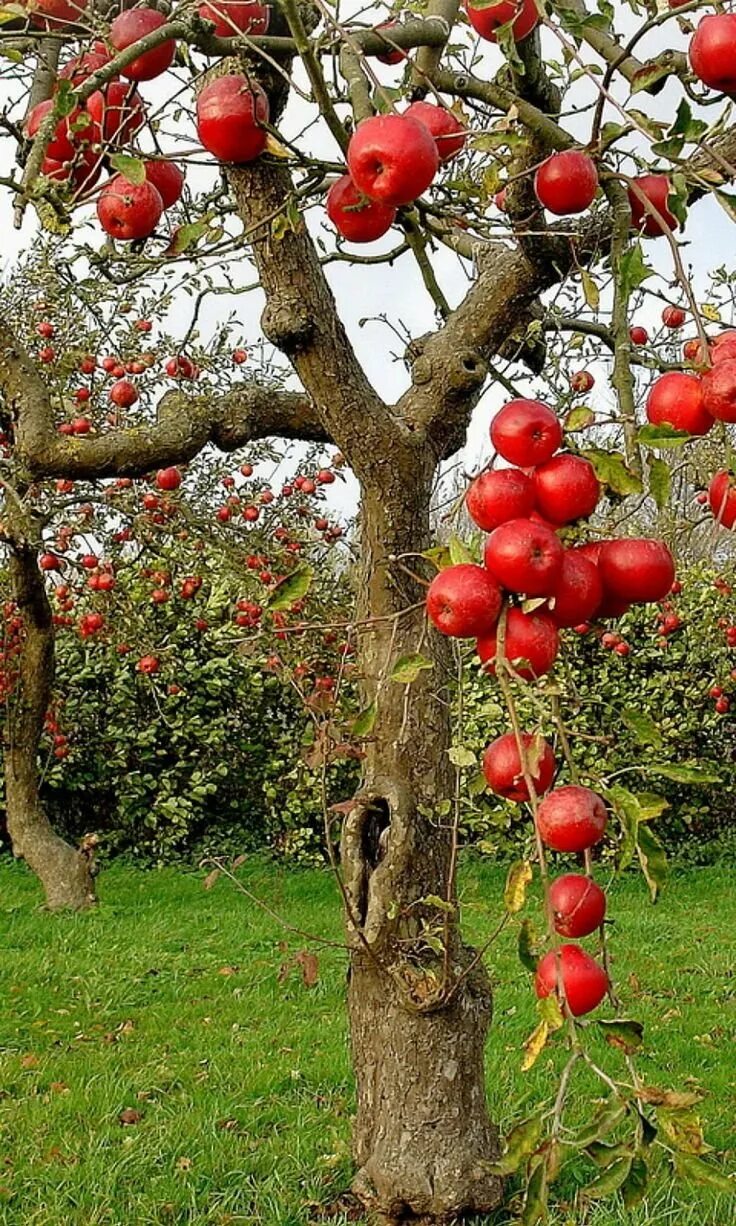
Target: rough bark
63 870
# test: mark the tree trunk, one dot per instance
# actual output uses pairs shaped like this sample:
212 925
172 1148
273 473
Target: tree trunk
419 1014
64 872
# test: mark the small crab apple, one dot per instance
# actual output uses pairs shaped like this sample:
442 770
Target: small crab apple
448 132
638 335
464 601
148 665
524 556
123 393
526 432
722 705
582 381
503 769
239 356
584 981
567 182
676 399
531 644
392 158
354 216
496 497
579 905
168 478
673 317
571 818
231 114
655 190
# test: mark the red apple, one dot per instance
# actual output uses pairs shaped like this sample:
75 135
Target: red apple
76 129
673 317
132 25
486 21
526 432
566 488
503 770
148 665
448 132
392 158
584 982
578 594
571 818
168 478
524 557
722 498
531 645
638 336
353 215
119 112
167 178
676 399
233 17
464 601
719 390
567 182
123 393
57 14
636 569
578 903
129 210
496 497
655 189
230 114
582 381
393 55
713 52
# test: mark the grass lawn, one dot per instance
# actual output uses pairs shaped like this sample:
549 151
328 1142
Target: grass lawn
167 1004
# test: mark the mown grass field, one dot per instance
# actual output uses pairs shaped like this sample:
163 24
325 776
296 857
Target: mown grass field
167 1004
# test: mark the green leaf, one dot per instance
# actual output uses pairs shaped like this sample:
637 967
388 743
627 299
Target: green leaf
653 860
518 878
133 169
459 553
187 236
643 726
685 125
651 805
627 810
684 772
440 904
606 1117
604 1154
694 1170
633 269
727 203
294 587
579 419
364 723
526 948
439 556
609 1181
550 1010
677 197
612 471
662 436
519 1144
408 667
460 755
591 293
535 1201
624 1033
660 481
633 1189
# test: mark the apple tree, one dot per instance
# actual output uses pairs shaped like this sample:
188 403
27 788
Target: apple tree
506 154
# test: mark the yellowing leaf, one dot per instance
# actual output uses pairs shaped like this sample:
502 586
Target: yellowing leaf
519 876
534 1046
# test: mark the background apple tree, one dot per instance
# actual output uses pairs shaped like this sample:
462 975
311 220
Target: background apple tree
537 167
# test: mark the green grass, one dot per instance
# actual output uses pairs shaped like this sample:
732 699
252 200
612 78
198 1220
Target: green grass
167 1000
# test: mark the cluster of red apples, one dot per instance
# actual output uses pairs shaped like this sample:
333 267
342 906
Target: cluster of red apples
532 586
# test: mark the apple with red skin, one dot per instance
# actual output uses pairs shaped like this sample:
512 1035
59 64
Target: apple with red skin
233 17
394 55
676 399
578 594
584 981
123 393
566 183
582 381
353 215
673 317
713 52
638 335
722 498
571 818
494 498
181 367
392 158
448 132
132 25
57 14
129 210
168 478
566 488
486 21
579 905
74 130
230 113
167 178
524 556
148 665
531 637
119 112
526 432
80 67
49 562
719 390
464 601
636 569
655 189
722 705
503 770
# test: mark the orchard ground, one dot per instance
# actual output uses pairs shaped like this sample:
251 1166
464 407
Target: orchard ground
166 1008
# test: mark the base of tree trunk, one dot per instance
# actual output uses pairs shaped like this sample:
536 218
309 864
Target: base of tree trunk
64 872
423 1140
